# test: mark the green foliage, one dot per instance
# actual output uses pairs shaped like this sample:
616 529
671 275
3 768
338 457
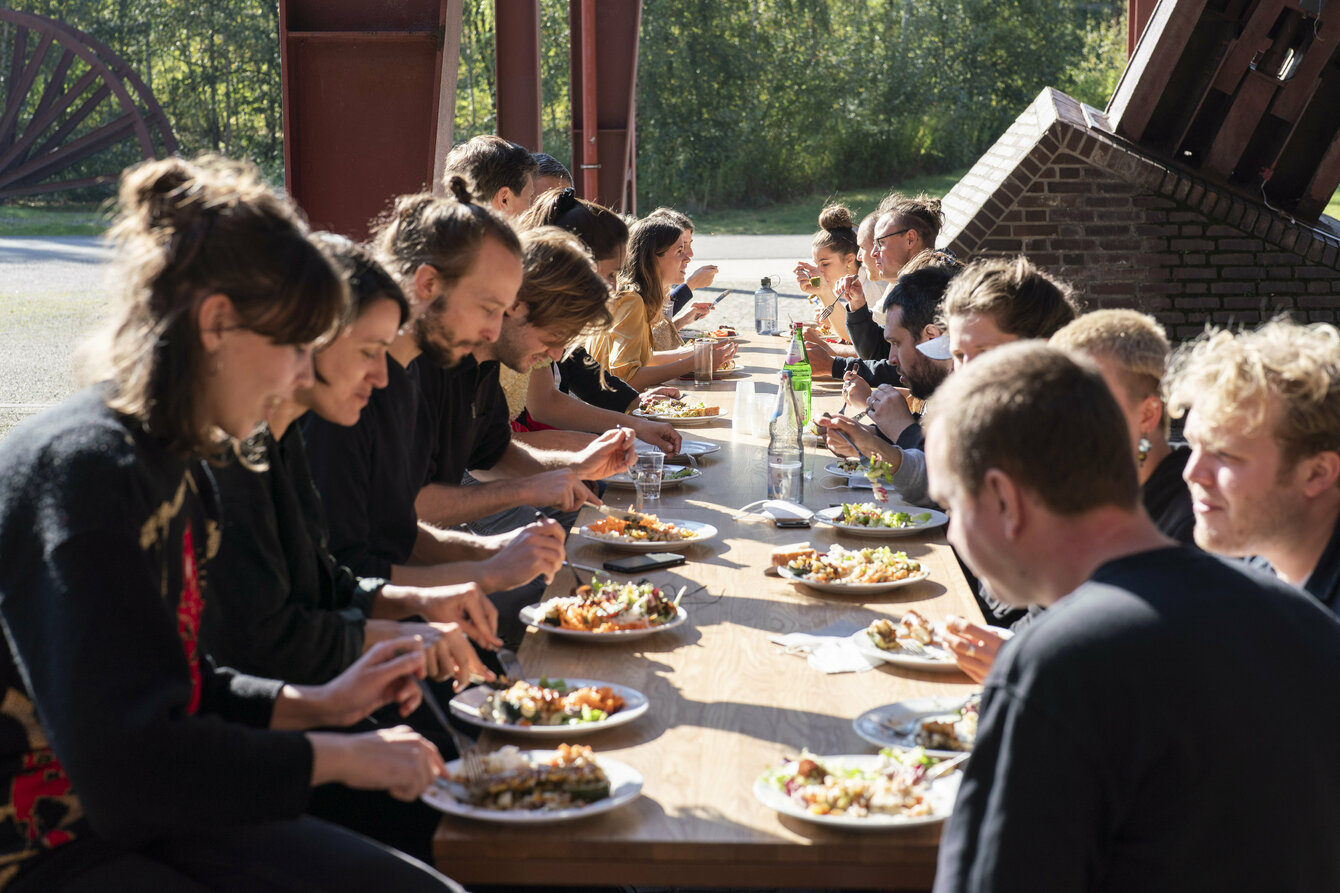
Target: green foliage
743 101
212 64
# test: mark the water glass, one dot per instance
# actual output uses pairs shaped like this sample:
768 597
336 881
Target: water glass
703 364
647 474
744 407
786 479
763 412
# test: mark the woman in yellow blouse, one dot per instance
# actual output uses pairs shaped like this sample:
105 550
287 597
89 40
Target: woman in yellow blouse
655 256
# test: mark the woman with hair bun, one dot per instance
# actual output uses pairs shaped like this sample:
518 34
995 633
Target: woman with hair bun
130 760
836 254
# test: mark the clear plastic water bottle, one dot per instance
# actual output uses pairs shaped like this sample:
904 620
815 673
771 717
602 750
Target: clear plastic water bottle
786 448
765 308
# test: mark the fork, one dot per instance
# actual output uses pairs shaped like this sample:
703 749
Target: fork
472 759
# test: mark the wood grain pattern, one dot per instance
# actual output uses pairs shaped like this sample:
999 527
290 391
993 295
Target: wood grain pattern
725 702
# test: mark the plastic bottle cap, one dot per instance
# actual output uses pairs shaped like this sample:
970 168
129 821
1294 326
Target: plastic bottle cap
767 283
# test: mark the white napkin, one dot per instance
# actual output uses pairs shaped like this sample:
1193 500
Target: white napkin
828 650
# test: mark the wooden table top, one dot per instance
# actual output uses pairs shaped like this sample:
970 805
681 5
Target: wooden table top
726 703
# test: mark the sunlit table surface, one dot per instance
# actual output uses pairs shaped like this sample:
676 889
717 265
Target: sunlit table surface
726 703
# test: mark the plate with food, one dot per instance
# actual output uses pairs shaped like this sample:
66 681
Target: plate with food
680 411
851 469
853 571
909 641
943 725
696 448
720 333
536 786
879 791
870 519
671 476
606 611
550 707
647 533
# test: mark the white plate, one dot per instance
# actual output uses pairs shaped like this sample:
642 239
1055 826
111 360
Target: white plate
855 479
623 480
941 793
468 703
735 369
690 422
691 334
877 725
851 588
531 616
625 785
868 648
832 516
701 534
697 448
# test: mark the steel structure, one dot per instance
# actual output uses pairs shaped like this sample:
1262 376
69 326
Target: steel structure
68 100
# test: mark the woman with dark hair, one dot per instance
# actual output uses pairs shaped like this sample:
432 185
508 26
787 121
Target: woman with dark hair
132 761
835 251
287 609
545 403
655 257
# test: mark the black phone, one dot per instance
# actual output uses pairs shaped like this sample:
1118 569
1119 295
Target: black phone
651 561
791 522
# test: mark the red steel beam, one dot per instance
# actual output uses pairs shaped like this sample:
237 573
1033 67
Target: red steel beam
1137 16
517 51
590 152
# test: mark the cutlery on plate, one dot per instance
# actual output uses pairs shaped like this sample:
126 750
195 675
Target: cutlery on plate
944 767
511 665
472 760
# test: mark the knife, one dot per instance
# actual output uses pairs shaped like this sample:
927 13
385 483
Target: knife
512 671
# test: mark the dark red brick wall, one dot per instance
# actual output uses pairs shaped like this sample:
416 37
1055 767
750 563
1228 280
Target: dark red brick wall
1121 246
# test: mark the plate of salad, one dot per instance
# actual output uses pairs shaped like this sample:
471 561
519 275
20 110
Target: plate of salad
873 519
607 611
546 707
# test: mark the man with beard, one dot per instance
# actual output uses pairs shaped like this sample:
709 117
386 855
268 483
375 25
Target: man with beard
459 265
1263 420
561 296
913 334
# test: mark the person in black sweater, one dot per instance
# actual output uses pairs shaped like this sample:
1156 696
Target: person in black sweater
459 265
1110 746
287 609
131 760
1263 419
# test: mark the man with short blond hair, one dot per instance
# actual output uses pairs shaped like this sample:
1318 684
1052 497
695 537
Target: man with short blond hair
1111 752
1263 420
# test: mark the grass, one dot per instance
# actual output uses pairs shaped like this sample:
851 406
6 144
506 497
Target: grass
801 215
781 218
52 220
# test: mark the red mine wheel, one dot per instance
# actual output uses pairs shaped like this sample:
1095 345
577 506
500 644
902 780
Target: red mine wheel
74 112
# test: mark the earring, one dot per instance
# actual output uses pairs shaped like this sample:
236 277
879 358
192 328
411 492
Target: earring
1142 449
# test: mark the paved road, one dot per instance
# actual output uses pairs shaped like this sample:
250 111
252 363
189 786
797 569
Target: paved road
54 291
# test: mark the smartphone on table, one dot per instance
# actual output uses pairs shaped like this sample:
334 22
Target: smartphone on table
651 561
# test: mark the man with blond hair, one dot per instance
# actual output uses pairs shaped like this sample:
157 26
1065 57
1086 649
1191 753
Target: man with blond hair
1111 752
1263 420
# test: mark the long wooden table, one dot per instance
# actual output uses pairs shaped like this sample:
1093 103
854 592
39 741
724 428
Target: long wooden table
726 703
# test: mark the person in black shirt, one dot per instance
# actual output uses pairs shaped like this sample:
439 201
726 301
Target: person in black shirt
1263 420
132 761
561 295
459 265
1110 746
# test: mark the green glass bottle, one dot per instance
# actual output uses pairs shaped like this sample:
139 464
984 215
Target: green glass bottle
798 364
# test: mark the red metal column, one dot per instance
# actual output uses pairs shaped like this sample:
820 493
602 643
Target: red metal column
1137 16
365 88
604 101
516 29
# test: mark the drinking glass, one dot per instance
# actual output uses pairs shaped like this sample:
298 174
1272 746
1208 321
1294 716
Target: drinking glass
703 361
744 407
647 474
